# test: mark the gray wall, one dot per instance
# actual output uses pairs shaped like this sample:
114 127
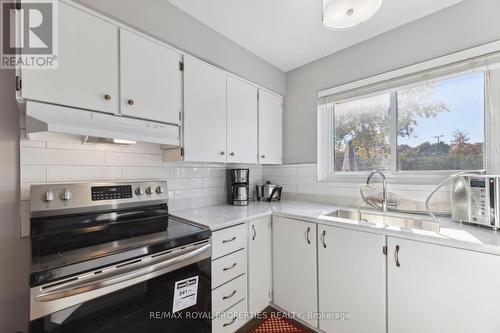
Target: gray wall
168 23
468 24
14 251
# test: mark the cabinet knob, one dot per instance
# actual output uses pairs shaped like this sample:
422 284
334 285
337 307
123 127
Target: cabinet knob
222 153
130 102
232 154
107 97
262 156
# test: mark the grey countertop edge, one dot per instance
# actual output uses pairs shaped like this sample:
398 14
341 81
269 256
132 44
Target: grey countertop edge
409 234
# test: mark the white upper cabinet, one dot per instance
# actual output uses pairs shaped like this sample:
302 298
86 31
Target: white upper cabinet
294 267
351 268
241 121
436 289
270 128
259 264
151 81
204 112
87 76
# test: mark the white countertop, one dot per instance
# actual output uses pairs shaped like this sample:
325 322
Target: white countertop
451 233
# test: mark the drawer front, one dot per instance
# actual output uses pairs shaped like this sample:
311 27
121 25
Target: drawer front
229 294
229 240
227 268
231 320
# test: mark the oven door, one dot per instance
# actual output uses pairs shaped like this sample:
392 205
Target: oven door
166 292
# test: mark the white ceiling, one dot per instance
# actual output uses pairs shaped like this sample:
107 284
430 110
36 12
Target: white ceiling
289 33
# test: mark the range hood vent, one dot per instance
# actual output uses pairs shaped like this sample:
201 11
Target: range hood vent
43 118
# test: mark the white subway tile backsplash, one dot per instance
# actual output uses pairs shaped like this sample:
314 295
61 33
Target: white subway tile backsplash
187 183
33 173
214 182
42 156
69 173
146 172
127 159
191 172
63 158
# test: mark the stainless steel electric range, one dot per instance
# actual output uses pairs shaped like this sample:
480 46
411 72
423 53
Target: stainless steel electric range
108 257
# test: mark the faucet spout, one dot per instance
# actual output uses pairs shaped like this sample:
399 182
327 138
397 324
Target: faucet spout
384 187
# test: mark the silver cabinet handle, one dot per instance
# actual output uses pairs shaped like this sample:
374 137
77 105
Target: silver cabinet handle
229 296
230 323
228 240
323 238
143 273
229 268
307 235
254 232
396 256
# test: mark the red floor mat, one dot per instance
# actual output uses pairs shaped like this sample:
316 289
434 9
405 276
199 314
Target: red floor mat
274 324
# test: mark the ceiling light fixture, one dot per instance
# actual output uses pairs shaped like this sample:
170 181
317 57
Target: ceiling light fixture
348 14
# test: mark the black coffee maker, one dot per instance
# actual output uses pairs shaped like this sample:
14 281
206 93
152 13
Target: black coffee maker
238 180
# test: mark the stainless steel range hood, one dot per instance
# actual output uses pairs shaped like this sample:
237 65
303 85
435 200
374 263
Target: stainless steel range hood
42 118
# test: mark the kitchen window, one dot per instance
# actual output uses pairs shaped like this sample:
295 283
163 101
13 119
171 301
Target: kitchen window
430 128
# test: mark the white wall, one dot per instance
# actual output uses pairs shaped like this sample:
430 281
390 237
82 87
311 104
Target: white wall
468 24
14 251
168 23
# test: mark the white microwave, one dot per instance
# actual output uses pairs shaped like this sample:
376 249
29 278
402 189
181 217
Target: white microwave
475 199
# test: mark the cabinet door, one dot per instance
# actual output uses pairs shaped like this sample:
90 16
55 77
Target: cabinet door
351 266
270 128
259 264
294 267
150 79
241 121
438 289
87 76
204 112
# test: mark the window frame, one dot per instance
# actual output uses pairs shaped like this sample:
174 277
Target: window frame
326 137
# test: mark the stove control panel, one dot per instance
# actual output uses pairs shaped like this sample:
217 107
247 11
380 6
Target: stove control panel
111 192
87 196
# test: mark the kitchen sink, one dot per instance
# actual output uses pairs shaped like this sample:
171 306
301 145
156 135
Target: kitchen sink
409 221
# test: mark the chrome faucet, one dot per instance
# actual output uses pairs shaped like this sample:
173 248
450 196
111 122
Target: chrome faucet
384 190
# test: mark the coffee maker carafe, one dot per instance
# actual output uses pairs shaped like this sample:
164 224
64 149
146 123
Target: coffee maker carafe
238 180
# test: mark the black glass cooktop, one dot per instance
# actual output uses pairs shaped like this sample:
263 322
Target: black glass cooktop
65 260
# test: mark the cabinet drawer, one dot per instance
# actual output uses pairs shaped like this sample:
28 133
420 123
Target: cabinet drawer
229 240
229 294
230 320
228 267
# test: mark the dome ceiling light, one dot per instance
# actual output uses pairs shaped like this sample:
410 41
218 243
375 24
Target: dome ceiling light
348 14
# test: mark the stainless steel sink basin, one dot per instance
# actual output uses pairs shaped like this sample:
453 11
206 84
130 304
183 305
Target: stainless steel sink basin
393 219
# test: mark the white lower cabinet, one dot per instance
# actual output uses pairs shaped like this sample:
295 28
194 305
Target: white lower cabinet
351 277
436 289
294 267
259 264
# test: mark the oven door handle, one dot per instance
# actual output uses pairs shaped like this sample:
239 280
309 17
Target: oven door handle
73 288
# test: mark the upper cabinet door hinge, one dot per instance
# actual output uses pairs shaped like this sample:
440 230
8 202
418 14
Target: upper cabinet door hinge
19 83
181 66
384 250
182 151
